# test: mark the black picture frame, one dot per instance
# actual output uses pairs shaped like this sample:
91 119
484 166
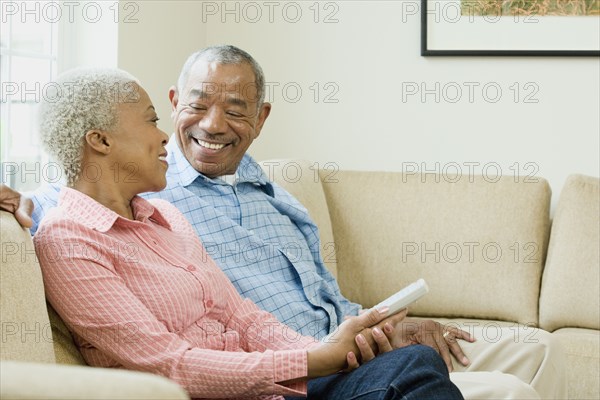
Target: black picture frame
426 52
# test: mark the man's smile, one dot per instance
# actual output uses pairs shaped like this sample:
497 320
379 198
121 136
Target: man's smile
206 145
212 146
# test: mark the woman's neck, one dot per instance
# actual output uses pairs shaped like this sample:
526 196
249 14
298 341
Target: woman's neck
108 194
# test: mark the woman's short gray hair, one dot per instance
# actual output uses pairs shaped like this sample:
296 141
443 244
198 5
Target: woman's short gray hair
81 100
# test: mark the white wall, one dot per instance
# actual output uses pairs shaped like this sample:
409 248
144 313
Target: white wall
90 34
369 57
155 38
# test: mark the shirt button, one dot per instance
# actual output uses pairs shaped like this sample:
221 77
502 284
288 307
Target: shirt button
209 303
191 268
251 232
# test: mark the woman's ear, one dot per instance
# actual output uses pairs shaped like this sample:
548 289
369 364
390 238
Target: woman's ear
99 141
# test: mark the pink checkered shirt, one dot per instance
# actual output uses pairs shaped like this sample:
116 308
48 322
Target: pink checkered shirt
144 295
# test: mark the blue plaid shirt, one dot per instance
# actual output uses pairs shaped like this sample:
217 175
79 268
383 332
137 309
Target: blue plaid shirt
261 237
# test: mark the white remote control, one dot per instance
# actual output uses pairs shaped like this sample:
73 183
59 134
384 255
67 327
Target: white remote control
398 301
404 297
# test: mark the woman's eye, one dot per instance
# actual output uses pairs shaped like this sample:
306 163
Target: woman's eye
155 120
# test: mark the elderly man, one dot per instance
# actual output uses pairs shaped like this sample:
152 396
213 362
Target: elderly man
219 110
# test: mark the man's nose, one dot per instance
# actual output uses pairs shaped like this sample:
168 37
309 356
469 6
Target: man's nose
213 121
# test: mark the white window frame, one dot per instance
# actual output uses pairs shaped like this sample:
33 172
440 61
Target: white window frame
77 42
16 171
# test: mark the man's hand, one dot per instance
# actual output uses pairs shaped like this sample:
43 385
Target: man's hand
13 202
442 339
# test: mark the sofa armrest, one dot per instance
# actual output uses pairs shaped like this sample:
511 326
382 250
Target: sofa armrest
24 380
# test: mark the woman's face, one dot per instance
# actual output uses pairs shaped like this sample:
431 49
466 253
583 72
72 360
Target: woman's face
139 155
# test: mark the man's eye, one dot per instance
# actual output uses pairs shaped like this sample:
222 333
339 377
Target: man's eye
234 114
197 107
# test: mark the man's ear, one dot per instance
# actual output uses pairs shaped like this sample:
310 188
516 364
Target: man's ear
173 98
263 114
99 141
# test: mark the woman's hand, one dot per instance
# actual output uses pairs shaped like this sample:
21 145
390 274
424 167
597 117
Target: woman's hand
354 336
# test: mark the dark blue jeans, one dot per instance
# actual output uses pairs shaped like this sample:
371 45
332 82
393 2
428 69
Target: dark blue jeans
415 372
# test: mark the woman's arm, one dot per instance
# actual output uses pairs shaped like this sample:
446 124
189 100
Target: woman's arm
99 307
261 331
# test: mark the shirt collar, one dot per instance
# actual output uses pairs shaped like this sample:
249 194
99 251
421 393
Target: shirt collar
179 167
181 170
94 215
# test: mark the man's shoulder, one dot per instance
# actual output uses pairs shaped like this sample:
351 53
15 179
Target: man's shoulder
172 215
166 208
286 197
44 199
176 194
45 193
190 204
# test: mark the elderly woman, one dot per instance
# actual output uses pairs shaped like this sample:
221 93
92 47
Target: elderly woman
138 290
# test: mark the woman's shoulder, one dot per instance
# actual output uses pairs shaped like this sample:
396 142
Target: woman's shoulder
56 220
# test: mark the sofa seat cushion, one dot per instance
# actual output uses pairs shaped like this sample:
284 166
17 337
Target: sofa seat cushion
582 347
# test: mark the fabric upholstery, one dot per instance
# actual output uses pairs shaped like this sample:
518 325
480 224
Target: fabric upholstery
479 244
26 332
29 381
570 295
582 347
65 350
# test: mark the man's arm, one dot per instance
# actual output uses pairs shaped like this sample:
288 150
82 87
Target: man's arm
13 202
310 231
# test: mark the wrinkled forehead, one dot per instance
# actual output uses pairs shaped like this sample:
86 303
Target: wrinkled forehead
213 80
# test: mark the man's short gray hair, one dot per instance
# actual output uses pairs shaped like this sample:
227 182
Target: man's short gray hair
224 54
82 99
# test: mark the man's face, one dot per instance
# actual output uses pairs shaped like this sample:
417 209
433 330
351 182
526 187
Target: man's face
217 116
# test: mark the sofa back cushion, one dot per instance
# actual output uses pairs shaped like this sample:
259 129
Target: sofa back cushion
570 292
65 350
478 241
26 331
301 178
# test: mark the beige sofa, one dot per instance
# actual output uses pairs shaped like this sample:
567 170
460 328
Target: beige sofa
485 248
488 249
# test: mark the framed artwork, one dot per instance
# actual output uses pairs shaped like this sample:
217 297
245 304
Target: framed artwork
510 28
